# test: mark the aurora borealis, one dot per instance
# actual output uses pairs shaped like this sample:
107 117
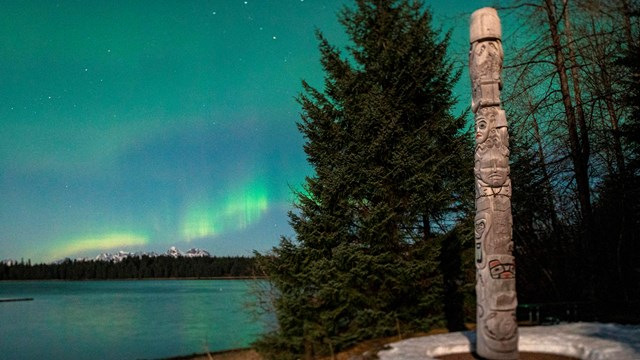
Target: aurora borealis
140 125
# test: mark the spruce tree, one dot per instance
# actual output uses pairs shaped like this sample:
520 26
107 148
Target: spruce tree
392 167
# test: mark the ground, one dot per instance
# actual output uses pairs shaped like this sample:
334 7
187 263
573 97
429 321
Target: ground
356 352
597 341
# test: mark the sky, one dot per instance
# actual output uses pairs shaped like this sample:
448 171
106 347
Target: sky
140 125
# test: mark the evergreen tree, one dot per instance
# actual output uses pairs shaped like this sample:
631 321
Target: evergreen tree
391 176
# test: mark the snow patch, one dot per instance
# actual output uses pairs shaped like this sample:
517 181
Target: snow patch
587 341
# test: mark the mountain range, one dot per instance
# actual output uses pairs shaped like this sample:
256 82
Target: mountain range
121 255
172 252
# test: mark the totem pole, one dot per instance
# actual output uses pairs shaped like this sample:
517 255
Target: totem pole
497 330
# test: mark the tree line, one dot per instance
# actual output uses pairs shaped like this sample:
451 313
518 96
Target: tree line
385 224
144 267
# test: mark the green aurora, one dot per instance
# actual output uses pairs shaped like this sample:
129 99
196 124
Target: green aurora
140 125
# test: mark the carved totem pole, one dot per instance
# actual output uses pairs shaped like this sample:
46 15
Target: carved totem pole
497 330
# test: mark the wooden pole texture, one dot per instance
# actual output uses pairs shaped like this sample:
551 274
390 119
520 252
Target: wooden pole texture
497 329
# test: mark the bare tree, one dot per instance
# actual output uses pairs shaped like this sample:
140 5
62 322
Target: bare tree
565 96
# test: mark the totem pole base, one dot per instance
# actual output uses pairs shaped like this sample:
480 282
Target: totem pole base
484 352
521 356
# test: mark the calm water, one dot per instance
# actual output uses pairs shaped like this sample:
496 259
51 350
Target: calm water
124 319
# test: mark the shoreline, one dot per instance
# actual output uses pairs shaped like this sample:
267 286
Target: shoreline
231 354
15 299
148 279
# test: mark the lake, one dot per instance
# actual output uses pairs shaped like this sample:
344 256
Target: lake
146 319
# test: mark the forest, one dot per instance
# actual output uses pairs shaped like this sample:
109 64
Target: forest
384 227
144 267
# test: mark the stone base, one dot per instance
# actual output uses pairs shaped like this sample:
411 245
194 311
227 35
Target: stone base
521 356
587 341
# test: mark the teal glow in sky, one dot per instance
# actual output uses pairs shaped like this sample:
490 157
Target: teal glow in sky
138 125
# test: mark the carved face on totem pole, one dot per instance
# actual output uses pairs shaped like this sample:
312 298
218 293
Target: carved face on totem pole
500 323
494 169
482 128
486 64
492 174
496 309
489 121
492 153
486 59
500 327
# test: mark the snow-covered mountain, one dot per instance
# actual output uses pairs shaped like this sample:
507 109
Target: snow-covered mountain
121 255
193 252
173 252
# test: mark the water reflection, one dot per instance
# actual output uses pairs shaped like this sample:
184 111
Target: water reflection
124 319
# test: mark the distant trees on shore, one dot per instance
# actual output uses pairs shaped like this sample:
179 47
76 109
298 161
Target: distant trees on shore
144 267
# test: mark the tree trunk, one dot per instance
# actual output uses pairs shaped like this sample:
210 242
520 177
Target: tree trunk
426 227
545 173
626 14
578 158
606 83
585 147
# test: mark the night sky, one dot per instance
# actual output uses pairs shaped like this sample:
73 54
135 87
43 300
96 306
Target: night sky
140 125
